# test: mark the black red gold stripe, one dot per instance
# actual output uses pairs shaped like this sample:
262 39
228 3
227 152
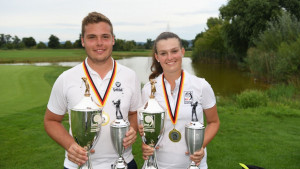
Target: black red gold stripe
101 100
174 116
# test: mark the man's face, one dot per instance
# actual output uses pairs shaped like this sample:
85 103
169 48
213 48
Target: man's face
98 41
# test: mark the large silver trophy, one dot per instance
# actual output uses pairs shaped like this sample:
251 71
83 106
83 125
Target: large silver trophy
194 135
118 129
86 119
152 118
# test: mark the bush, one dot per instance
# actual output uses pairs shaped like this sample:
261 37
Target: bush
251 98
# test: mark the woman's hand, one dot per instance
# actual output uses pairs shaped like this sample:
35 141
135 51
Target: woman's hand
197 156
147 151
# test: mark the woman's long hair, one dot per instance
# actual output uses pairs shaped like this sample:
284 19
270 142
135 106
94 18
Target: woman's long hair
156 68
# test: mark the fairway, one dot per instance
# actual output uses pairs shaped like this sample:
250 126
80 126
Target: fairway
263 136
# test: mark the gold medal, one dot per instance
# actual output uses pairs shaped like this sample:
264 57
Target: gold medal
105 118
174 135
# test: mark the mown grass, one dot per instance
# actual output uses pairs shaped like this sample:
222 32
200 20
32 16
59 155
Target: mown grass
266 136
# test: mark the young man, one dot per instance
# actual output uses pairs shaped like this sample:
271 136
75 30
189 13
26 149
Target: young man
112 80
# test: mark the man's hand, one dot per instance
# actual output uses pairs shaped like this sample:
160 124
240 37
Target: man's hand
77 154
130 138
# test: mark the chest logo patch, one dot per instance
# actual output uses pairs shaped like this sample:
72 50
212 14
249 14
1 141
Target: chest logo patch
188 97
118 87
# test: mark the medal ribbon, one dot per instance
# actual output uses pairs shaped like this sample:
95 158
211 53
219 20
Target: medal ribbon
108 89
174 116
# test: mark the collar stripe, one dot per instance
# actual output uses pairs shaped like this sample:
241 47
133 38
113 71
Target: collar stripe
179 94
108 89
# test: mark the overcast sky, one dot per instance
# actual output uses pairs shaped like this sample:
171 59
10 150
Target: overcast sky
137 20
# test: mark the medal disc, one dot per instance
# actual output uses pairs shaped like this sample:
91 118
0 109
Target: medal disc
105 118
174 135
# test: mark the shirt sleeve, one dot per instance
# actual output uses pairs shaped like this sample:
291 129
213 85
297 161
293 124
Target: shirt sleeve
57 102
146 93
208 96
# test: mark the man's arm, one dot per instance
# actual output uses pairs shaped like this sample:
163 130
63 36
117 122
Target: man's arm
55 129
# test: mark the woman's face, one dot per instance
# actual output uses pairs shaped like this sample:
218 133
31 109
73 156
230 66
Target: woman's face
169 55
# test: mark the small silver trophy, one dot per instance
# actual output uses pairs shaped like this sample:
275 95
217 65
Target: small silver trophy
194 135
152 118
118 129
86 119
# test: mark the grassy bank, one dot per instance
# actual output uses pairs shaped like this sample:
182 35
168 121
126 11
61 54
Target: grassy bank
55 55
266 135
59 55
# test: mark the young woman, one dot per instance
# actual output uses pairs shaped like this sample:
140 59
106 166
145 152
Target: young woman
176 91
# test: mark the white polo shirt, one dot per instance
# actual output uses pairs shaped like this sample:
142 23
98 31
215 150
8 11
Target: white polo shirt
69 89
171 155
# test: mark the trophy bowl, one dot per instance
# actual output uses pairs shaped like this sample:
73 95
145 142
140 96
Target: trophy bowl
194 136
86 119
152 119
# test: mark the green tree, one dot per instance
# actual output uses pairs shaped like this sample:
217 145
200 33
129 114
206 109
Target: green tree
41 45
68 45
148 44
119 45
129 45
7 39
77 43
53 42
185 44
244 20
29 42
17 43
199 35
210 44
2 39
212 21
292 6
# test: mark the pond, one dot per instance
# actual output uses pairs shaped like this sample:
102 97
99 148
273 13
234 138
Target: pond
224 80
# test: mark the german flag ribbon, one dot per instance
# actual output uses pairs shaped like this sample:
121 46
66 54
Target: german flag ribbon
174 116
101 100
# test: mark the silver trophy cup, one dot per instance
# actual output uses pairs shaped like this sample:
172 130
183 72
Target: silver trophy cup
194 135
118 129
86 119
152 118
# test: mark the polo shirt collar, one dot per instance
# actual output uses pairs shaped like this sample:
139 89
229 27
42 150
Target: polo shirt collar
93 72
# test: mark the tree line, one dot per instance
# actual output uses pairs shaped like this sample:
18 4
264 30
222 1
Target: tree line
262 36
14 42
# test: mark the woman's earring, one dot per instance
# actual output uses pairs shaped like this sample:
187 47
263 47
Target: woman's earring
158 61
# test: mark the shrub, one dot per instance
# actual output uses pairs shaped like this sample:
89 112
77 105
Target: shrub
276 56
251 98
280 92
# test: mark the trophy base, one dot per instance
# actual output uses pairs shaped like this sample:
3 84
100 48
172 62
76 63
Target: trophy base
119 164
193 166
149 165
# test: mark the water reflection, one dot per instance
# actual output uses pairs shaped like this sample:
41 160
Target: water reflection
226 80
223 79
